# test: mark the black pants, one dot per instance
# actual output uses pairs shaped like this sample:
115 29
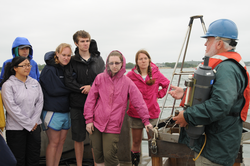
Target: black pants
6 156
25 146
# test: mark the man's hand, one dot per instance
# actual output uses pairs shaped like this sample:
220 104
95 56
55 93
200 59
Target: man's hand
177 92
85 89
90 127
180 120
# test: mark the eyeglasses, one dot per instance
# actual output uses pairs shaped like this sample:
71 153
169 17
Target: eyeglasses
25 66
116 63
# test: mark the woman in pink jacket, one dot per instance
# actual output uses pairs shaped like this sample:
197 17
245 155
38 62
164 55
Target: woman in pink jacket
148 79
105 108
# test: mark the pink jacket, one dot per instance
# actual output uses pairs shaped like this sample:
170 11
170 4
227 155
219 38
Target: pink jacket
150 93
107 101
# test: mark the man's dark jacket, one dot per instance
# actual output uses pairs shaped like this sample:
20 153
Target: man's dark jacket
79 73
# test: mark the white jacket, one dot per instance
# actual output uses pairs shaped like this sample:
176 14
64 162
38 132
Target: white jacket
23 103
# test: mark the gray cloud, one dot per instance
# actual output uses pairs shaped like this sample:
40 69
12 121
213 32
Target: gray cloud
157 26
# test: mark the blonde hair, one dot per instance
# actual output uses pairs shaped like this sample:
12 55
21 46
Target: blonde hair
149 72
59 50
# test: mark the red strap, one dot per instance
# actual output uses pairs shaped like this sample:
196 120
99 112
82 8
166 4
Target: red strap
183 99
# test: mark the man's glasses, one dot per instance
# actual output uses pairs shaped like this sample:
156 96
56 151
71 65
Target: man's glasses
116 63
25 66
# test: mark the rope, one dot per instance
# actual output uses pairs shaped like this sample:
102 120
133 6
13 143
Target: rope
153 146
155 130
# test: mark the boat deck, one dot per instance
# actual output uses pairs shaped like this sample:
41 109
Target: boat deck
145 158
146 161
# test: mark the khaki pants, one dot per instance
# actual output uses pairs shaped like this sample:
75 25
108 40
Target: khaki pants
136 123
202 161
105 146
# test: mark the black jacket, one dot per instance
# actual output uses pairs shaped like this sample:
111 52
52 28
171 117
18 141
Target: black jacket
79 73
56 94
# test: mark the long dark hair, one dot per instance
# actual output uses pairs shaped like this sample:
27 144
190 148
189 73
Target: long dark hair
9 68
152 80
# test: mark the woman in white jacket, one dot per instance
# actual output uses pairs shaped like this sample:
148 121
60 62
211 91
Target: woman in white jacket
23 101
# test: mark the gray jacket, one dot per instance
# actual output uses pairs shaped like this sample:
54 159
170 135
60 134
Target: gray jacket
23 103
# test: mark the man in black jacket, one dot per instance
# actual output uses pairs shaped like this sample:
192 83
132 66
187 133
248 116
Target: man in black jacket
85 65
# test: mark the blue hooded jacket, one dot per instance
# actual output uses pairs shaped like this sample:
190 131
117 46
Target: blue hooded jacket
34 72
56 94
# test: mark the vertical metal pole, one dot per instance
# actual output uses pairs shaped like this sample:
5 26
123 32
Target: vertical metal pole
186 40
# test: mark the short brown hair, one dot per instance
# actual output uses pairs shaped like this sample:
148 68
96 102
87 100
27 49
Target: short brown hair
82 34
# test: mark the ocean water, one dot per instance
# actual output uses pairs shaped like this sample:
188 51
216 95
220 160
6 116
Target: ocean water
169 102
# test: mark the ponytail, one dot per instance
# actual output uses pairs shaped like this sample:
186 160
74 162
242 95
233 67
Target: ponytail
9 68
8 71
151 81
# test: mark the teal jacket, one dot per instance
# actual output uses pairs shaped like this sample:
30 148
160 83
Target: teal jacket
222 130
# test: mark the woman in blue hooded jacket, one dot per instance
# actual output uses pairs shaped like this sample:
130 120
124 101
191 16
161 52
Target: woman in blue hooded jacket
22 47
55 115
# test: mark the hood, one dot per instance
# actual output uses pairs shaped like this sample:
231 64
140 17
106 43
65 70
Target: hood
121 71
93 49
49 58
21 41
14 78
154 68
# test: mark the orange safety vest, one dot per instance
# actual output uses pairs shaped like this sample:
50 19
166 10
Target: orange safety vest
217 59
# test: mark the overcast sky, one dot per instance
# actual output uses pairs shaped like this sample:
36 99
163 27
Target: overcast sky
158 26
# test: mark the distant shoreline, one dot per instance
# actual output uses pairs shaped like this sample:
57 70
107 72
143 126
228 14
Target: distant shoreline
164 67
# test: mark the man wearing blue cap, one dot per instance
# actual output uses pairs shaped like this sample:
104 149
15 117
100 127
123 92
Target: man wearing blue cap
223 113
22 47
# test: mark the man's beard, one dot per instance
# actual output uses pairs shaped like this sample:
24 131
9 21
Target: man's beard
212 51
